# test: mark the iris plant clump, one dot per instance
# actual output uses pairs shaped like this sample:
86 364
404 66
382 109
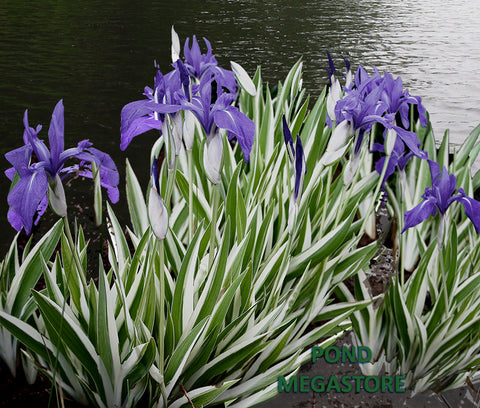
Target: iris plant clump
425 326
232 270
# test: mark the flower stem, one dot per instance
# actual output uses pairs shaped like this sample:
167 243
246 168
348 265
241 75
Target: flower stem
160 271
170 182
161 306
213 231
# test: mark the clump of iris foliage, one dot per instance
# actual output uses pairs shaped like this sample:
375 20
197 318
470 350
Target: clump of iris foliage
239 254
426 327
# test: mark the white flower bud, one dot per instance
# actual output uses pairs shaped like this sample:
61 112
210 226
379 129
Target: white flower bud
334 95
390 142
157 214
350 169
243 78
212 157
177 131
292 212
348 79
188 129
56 196
175 46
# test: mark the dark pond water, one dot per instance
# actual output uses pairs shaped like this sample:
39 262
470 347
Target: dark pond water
98 56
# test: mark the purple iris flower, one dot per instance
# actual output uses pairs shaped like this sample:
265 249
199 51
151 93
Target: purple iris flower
199 65
397 158
141 116
29 195
398 101
362 108
221 114
439 197
297 156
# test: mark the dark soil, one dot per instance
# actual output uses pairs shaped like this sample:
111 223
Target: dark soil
16 392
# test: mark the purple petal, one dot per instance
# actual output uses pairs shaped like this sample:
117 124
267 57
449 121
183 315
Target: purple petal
56 133
164 107
472 208
137 127
224 78
10 173
19 159
444 188
193 55
434 169
420 213
331 67
132 116
411 140
378 147
26 196
184 76
42 207
404 110
109 177
108 169
14 219
29 132
390 167
72 152
300 167
240 125
288 140
402 161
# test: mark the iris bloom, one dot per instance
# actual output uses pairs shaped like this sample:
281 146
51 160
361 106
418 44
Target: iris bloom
221 114
200 65
141 116
356 113
362 107
398 101
439 197
37 176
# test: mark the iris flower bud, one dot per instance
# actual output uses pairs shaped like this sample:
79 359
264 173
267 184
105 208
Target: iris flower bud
212 157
